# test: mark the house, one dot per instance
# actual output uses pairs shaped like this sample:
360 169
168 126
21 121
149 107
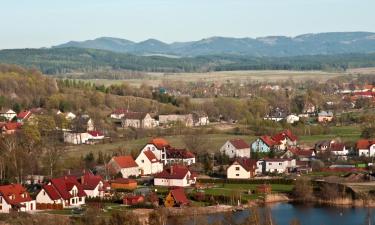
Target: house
292 118
176 198
276 114
339 150
138 120
236 148
186 120
118 114
200 119
8 114
94 186
263 144
10 127
175 176
309 108
23 116
242 168
14 197
322 146
65 191
83 124
123 184
179 156
365 148
76 138
300 154
124 165
157 146
68 115
133 200
280 141
275 165
148 163
325 116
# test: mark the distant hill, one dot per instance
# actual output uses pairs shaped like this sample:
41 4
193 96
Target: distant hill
67 60
272 46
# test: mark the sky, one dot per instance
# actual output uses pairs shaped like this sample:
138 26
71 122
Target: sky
44 23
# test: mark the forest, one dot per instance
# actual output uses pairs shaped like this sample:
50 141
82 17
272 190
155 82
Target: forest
68 60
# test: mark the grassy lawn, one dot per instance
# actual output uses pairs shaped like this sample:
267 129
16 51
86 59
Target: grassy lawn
346 133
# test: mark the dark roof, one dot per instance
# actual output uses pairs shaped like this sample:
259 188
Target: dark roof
337 147
174 153
135 115
239 143
90 181
174 172
151 156
247 164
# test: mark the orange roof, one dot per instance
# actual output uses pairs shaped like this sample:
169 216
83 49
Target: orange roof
159 142
125 161
14 194
364 144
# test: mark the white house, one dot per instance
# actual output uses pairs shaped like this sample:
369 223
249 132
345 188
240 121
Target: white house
339 150
292 118
366 148
187 119
8 114
138 120
242 168
118 114
276 165
148 163
175 176
124 165
200 119
94 186
14 197
236 148
178 156
65 191
157 147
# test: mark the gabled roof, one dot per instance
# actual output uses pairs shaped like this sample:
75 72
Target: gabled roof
14 194
179 196
126 161
247 164
174 172
63 185
175 153
151 156
337 147
90 181
51 192
120 111
300 152
268 140
95 133
135 115
284 134
159 142
239 143
24 114
7 111
364 144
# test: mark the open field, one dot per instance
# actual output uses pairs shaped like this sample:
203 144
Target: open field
155 79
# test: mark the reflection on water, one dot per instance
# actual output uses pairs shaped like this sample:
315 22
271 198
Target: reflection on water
284 213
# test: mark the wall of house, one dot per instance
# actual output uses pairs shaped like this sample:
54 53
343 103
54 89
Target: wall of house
29 206
131 123
42 197
236 171
75 200
4 206
146 166
260 146
94 193
132 171
174 182
149 122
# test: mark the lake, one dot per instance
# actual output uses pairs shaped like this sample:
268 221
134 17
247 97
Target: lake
284 213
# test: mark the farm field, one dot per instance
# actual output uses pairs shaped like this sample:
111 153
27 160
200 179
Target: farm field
272 76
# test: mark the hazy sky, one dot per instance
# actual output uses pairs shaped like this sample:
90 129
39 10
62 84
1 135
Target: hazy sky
42 23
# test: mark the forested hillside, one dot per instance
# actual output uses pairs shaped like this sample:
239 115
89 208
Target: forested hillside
66 60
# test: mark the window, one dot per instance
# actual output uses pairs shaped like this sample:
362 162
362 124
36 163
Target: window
142 161
269 164
80 199
280 164
1 199
237 175
237 168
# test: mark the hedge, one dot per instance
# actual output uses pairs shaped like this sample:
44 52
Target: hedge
249 181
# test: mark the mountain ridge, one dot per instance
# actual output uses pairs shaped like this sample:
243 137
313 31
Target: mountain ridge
269 46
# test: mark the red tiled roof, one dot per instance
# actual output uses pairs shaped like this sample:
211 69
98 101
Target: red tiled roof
364 144
159 142
90 181
12 126
300 152
95 133
24 114
151 156
174 172
123 181
175 153
239 143
120 111
284 134
125 161
179 196
51 192
12 194
247 164
268 140
337 147
65 184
